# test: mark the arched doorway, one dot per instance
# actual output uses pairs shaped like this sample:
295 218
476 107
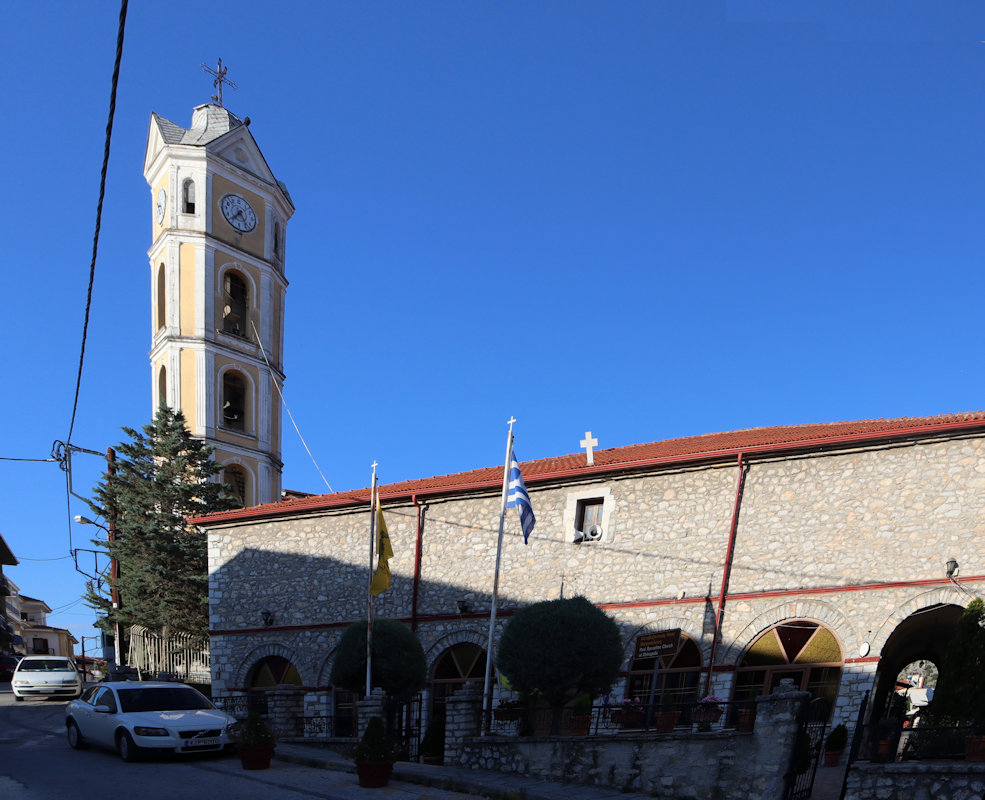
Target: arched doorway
677 676
922 636
459 664
802 650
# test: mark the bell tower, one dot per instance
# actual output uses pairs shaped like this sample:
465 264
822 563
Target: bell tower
217 291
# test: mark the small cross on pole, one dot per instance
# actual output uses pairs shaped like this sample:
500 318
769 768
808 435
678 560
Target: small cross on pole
220 78
587 444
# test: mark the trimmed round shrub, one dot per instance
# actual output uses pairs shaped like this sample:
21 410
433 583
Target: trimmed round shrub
399 666
560 648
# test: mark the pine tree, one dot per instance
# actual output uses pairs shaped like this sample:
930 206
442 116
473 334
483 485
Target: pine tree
161 476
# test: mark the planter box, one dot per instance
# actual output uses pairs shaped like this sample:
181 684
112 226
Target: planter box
706 714
374 774
666 721
256 756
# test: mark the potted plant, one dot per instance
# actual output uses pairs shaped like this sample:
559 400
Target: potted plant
707 711
629 713
834 745
433 743
666 719
255 742
556 650
374 756
509 710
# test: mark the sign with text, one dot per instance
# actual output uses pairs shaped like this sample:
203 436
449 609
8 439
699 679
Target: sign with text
658 645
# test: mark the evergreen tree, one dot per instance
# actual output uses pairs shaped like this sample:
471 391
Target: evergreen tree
161 476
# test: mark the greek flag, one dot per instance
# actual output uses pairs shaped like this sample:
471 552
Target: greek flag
517 497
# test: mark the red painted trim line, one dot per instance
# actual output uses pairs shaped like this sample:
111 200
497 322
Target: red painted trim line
866 660
863 587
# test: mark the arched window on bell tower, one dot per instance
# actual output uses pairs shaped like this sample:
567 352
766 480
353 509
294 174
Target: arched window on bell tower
188 196
162 386
235 301
161 298
234 476
233 401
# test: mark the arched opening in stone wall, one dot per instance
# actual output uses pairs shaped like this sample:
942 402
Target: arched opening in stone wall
662 680
459 664
802 650
922 636
273 671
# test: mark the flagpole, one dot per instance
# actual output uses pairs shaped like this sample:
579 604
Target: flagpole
369 586
487 688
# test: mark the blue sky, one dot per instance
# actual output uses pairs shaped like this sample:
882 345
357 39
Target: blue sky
647 219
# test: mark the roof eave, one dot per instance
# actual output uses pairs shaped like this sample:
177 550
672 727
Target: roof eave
321 503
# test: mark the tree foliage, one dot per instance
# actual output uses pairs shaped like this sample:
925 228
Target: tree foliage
399 666
161 476
959 697
560 648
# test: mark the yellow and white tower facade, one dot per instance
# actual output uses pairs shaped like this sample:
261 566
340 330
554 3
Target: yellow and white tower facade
217 291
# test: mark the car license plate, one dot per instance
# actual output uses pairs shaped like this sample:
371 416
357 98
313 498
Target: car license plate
210 741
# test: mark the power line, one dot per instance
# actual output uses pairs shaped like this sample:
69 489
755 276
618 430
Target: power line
39 460
99 207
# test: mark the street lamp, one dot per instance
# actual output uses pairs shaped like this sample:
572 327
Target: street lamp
114 574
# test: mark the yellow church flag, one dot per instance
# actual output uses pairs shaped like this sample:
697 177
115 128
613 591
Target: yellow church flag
381 578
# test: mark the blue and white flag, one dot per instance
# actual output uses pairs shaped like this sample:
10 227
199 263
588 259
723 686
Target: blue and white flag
517 497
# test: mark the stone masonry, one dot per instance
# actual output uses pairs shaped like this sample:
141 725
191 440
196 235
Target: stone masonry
853 537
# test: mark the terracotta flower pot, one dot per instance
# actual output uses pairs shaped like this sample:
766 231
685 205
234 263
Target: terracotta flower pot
256 756
707 713
831 757
745 719
374 774
665 721
579 724
974 748
631 717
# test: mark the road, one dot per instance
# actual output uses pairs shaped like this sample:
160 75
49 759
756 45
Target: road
36 763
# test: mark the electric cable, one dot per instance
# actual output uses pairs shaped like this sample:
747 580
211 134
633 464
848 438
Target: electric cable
288 409
99 207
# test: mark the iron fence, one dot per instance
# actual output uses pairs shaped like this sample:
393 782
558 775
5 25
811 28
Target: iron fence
901 741
241 706
604 718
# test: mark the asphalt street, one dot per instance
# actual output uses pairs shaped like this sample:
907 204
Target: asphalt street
36 763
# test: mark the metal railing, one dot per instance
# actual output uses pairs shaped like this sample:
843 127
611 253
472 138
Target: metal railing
240 706
605 718
895 741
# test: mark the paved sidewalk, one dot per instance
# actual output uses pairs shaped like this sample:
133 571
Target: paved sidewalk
484 783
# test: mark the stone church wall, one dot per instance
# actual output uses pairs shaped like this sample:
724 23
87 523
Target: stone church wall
835 537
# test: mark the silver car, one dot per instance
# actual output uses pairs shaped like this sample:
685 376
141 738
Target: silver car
135 717
45 676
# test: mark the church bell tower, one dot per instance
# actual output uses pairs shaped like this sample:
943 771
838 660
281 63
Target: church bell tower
217 291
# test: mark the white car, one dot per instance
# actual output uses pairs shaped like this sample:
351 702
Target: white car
137 716
46 676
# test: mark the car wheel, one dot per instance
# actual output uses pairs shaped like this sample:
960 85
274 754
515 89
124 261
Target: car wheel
126 748
75 740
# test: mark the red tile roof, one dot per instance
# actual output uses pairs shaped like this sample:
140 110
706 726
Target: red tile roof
689 449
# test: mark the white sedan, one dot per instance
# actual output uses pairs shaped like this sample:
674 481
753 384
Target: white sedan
135 716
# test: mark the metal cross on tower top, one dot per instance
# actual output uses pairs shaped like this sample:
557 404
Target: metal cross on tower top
220 78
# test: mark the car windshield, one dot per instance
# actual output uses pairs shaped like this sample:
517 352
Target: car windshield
162 698
46 665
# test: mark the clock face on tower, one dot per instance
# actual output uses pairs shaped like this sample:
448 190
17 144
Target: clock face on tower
162 204
238 213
